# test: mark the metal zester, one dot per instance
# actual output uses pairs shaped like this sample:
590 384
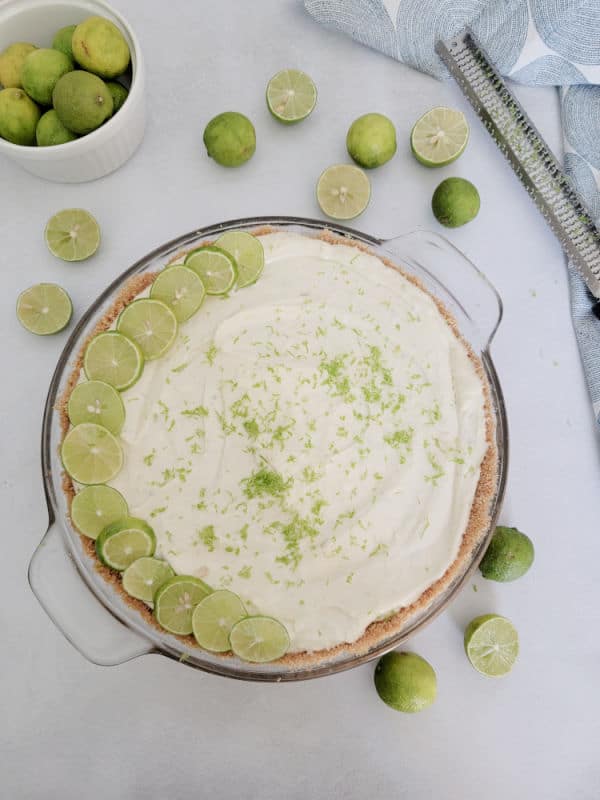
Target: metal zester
528 154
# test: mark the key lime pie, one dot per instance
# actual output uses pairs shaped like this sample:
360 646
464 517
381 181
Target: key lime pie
280 444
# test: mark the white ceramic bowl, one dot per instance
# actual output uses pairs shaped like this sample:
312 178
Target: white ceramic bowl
109 146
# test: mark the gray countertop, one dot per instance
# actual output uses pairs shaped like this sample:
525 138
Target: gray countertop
154 728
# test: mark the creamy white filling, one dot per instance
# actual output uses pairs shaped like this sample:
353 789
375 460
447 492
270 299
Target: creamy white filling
312 442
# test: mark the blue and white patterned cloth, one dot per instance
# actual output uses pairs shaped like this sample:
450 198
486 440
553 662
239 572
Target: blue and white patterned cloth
536 42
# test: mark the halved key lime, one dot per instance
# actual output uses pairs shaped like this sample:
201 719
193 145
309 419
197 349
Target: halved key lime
44 308
216 268
150 324
291 96
95 507
492 644
72 234
181 289
114 359
214 617
99 402
439 137
175 601
343 191
259 639
91 454
124 541
144 577
248 253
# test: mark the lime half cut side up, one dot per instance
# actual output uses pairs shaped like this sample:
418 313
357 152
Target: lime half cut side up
439 137
175 601
150 324
291 96
343 191
124 541
72 234
95 507
214 617
216 269
44 309
113 358
91 454
144 577
99 402
259 639
181 289
248 254
492 645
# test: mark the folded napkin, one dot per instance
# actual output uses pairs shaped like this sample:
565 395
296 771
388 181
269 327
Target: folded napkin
536 42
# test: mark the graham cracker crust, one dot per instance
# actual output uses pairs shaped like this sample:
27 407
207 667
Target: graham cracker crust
376 632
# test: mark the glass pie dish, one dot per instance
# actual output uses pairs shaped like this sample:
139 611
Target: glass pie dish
94 615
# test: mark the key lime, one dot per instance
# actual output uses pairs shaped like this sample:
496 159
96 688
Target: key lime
82 101
259 639
50 131
214 617
114 359
439 137
150 324
119 94
144 577
455 202
95 507
124 541
11 61
248 254
91 454
63 39
508 557
343 191
230 139
181 289
41 71
491 645
405 682
44 309
175 601
371 140
72 234
19 117
216 268
100 47
291 96
95 401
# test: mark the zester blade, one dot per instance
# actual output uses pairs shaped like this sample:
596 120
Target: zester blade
530 157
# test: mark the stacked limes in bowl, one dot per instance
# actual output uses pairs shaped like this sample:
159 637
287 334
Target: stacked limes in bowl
53 95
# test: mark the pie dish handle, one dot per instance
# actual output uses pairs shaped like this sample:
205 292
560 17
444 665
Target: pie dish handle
60 590
454 279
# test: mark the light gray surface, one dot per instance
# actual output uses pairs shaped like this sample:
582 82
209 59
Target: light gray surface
153 728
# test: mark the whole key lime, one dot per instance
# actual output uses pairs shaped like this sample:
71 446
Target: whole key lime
100 47
371 140
455 202
19 117
230 139
11 61
509 555
82 101
405 682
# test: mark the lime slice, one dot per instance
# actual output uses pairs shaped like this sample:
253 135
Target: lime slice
95 507
144 577
247 252
150 324
343 191
113 358
492 644
259 639
291 96
216 268
439 137
175 601
95 401
214 617
91 454
72 234
44 308
124 541
181 289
